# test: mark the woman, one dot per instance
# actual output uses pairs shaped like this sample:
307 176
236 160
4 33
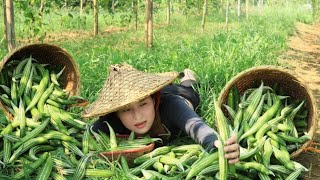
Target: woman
148 104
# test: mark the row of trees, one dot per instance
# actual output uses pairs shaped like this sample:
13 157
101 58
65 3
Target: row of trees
181 6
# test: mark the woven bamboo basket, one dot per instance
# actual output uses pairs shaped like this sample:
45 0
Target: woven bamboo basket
128 154
48 54
292 85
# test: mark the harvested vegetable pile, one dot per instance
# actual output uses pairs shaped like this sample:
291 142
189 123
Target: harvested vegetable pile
269 127
45 140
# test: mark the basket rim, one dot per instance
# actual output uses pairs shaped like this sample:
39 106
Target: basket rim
18 49
132 151
63 50
287 71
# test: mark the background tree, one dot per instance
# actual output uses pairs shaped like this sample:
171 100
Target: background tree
11 37
253 4
41 9
42 3
113 5
260 6
149 23
204 15
35 17
81 7
227 14
168 11
4 23
239 10
95 13
135 9
247 9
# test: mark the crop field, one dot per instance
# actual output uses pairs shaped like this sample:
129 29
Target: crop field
216 54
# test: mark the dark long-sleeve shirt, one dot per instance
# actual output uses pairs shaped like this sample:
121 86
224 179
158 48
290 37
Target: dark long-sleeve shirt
175 115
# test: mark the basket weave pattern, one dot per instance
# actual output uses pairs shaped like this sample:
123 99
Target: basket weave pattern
292 85
128 154
52 55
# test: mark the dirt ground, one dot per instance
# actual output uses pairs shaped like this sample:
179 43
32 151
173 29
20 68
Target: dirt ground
303 57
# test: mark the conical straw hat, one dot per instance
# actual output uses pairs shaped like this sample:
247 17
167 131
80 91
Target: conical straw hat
124 86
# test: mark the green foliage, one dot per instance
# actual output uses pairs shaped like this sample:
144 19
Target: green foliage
316 9
215 55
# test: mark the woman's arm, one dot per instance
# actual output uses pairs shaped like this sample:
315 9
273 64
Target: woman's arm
176 113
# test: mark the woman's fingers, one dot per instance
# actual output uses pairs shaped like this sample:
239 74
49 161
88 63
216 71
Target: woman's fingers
216 143
231 148
232 155
233 161
231 140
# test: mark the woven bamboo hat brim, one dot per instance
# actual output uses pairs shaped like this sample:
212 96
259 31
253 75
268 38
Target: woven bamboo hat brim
288 80
48 54
124 86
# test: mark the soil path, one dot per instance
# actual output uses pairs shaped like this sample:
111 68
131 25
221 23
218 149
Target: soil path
303 57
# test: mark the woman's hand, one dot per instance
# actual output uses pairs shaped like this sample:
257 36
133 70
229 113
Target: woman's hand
231 149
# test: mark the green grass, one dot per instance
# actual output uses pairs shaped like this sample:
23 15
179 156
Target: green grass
216 55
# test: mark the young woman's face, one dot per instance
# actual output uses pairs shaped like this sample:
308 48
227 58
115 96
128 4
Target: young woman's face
138 117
